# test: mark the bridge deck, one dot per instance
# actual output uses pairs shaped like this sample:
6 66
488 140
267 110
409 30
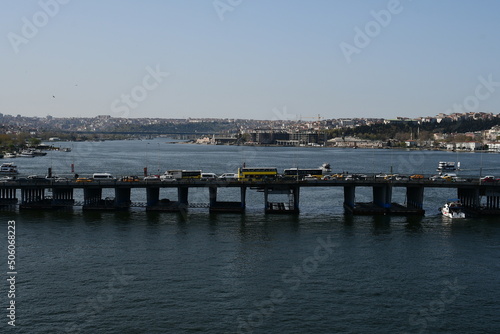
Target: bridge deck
471 183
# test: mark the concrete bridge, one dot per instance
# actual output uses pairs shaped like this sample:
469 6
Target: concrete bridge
48 194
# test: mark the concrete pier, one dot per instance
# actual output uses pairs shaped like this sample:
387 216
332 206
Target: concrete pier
216 206
349 196
471 201
92 200
182 193
382 202
152 196
492 199
34 198
469 197
415 197
154 203
122 198
289 207
482 198
382 196
62 198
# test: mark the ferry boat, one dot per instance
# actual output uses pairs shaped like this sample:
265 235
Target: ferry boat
8 168
326 168
448 166
26 154
38 153
453 209
312 173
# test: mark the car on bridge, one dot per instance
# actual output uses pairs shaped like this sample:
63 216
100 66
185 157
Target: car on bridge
83 179
132 178
229 176
436 178
488 178
55 178
167 178
36 177
7 178
208 176
152 178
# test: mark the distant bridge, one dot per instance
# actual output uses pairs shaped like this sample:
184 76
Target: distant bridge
195 133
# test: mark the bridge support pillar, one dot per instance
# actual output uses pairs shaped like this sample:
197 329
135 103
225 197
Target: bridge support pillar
182 194
34 198
32 195
122 197
493 202
382 196
92 196
62 197
152 196
296 198
349 196
415 197
8 196
492 199
213 196
243 191
154 203
469 197
230 207
266 198
291 207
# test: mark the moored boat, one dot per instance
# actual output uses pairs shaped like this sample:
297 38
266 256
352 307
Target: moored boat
26 154
8 168
452 209
38 153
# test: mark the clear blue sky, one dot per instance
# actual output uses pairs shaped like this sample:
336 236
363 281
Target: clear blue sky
281 55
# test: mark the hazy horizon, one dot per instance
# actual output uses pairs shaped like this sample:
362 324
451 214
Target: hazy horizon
249 59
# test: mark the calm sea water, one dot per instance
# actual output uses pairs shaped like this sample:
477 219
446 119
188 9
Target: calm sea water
320 272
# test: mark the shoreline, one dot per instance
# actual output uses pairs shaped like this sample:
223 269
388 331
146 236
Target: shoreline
184 142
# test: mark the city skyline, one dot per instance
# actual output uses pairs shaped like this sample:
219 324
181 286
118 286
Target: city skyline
249 60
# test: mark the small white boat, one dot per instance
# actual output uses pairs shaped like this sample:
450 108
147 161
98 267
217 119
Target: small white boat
9 155
453 209
8 168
